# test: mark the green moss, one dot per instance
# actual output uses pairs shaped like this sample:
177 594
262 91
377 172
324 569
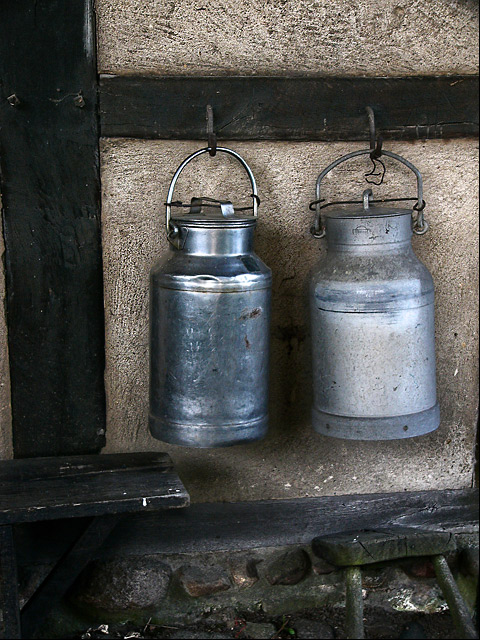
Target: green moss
468 587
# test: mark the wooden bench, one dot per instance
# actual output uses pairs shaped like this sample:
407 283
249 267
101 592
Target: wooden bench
102 487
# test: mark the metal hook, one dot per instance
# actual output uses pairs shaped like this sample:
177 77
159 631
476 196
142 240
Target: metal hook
373 176
211 136
375 142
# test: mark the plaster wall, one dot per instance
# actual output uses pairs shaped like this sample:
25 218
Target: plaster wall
271 37
278 37
293 461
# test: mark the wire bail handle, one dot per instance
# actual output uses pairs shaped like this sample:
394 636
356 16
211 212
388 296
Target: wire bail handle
172 229
420 225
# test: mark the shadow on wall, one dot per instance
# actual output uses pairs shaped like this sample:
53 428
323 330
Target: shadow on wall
290 355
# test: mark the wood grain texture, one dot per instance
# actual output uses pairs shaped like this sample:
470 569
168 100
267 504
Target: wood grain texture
79 486
381 545
51 208
289 108
269 523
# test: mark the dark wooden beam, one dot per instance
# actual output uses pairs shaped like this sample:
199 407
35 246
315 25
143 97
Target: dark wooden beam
79 486
51 214
9 600
266 523
282 108
65 572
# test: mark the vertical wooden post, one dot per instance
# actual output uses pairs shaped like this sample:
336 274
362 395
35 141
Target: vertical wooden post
51 206
9 603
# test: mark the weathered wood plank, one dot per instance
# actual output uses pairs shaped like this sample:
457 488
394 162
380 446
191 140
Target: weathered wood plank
381 544
51 206
242 525
289 108
79 486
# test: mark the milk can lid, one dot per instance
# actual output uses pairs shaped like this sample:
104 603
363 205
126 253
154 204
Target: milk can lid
207 212
356 211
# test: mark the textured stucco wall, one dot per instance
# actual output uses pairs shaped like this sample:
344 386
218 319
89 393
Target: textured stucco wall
315 37
6 450
293 461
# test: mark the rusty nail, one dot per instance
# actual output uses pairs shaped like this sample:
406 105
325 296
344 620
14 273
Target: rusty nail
13 100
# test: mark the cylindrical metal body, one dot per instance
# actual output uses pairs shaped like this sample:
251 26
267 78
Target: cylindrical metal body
209 341
372 323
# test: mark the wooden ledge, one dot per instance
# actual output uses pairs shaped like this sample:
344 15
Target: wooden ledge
35 489
270 523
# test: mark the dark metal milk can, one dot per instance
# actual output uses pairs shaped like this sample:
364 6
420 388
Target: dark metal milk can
372 321
209 324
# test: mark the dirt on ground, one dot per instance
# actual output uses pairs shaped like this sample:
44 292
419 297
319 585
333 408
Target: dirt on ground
325 623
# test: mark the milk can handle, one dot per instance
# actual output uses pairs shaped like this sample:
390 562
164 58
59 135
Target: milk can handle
168 225
420 226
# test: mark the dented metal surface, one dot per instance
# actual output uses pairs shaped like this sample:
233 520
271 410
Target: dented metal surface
209 323
372 318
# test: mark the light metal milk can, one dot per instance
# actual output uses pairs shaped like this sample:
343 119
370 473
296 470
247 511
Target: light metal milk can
372 321
209 324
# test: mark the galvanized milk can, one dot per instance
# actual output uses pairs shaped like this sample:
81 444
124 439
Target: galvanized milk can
209 324
372 321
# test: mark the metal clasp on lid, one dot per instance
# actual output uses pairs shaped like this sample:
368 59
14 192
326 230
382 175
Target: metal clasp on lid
367 196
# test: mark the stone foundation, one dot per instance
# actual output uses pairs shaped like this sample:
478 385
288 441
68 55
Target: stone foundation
255 586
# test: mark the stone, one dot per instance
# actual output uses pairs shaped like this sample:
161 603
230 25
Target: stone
191 633
306 629
322 567
258 630
413 631
127 583
422 568
244 572
288 568
423 597
469 561
203 581
374 580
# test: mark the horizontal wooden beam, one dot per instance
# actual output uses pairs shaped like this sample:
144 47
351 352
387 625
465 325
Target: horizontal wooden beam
249 525
288 108
270 523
